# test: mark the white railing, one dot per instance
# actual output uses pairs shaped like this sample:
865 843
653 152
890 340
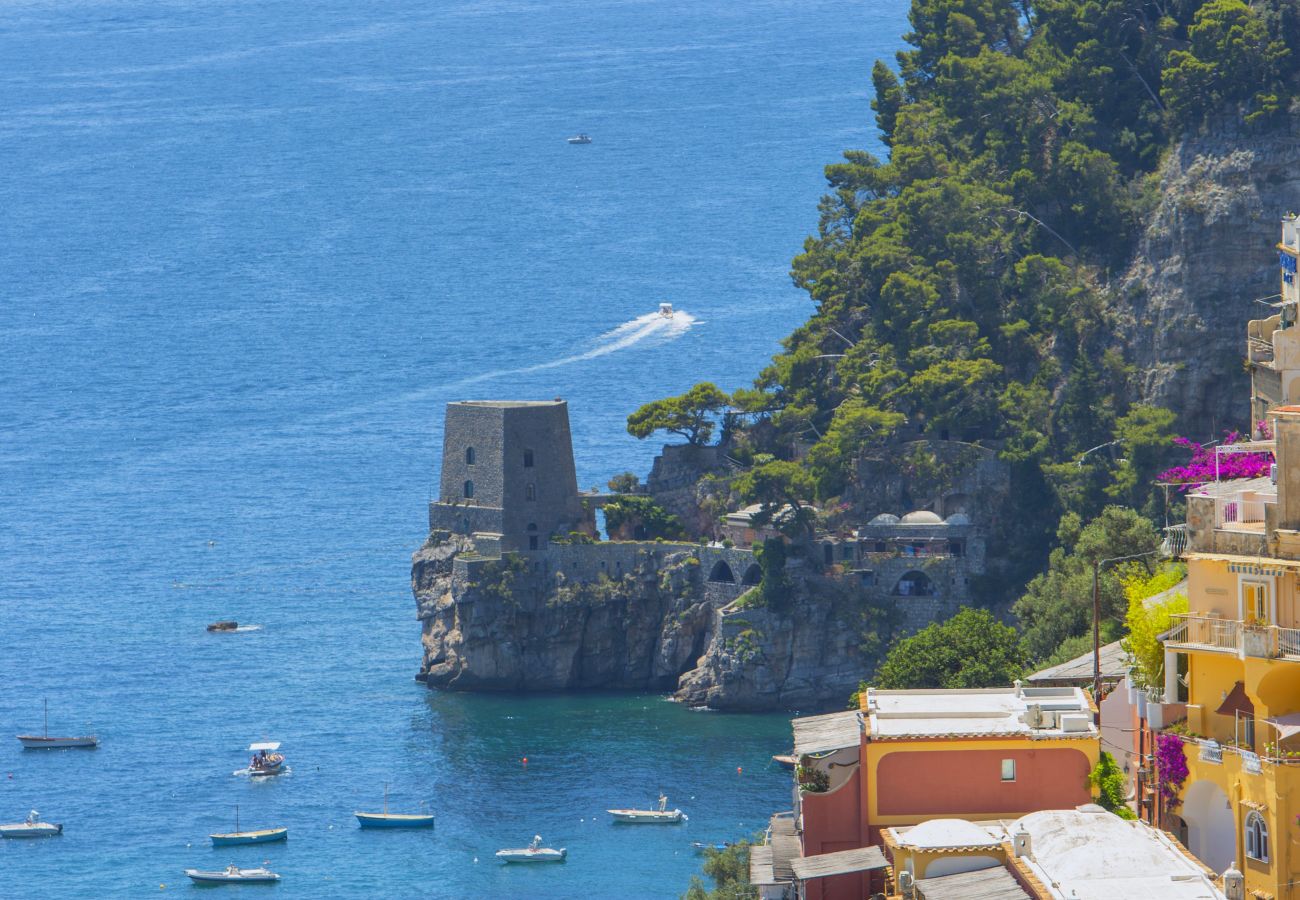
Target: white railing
1238 509
1288 641
1219 634
1250 762
1211 752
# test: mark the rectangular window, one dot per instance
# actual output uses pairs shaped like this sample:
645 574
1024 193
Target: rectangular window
1254 601
1008 770
528 459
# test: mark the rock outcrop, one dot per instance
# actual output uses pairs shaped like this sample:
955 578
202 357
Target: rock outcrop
1200 264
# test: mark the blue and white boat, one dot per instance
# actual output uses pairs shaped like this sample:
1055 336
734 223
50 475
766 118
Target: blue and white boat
259 836
386 819
233 874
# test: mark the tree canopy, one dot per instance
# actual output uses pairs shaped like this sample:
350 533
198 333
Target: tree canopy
690 415
970 650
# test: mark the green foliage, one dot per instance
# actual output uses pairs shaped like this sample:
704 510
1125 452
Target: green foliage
1108 780
639 509
970 650
775 590
690 415
1057 604
624 483
1147 620
781 489
729 870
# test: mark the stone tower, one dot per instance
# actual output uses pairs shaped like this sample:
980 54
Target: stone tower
507 473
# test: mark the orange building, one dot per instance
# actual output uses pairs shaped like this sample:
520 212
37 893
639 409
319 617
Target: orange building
908 756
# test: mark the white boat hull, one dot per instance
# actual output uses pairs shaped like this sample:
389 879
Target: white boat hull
647 816
525 855
32 830
242 876
36 742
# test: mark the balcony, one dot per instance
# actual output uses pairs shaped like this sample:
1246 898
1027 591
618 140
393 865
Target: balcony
1192 632
1241 512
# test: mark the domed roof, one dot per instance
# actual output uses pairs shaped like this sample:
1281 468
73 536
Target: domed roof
958 519
884 519
947 833
922 517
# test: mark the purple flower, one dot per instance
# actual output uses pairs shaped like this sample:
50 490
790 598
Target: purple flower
1171 763
1203 467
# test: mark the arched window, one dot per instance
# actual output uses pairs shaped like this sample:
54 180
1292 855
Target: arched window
530 492
469 490
469 456
1256 837
528 459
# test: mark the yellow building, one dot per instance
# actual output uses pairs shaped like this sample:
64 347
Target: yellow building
1241 643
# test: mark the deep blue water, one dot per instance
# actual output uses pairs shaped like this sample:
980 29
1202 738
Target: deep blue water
247 252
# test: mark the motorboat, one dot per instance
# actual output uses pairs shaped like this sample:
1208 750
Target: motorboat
701 846
233 873
666 310
31 827
786 761
224 625
266 761
660 816
43 741
580 139
386 819
238 836
533 853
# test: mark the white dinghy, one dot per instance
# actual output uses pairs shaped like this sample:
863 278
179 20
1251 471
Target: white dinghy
32 827
661 816
233 874
534 852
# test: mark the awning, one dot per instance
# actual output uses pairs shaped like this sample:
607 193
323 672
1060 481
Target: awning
1249 565
824 734
760 866
983 884
842 862
1236 702
1287 726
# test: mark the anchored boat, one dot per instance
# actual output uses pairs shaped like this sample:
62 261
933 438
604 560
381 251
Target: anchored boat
31 827
43 741
661 816
386 819
580 139
260 836
233 873
534 852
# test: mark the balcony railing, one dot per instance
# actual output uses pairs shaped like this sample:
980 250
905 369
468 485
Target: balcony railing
1206 631
1239 511
1211 752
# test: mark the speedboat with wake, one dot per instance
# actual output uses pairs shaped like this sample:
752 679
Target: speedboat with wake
31 827
266 761
660 816
534 852
43 741
386 819
233 873
258 836
666 310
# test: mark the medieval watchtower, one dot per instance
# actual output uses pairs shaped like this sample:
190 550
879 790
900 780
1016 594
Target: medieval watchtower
507 473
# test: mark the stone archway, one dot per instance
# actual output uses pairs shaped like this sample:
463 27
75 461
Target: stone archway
1211 827
914 584
722 572
753 575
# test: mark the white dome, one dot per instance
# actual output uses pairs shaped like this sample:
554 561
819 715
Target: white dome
947 833
958 519
922 517
884 519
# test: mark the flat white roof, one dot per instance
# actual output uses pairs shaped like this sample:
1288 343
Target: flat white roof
1090 854
992 711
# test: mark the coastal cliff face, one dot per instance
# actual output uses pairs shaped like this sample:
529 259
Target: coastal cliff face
1202 260
517 624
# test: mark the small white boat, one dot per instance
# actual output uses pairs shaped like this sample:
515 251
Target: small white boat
580 139
258 836
233 873
661 816
533 853
31 827
666 310
265 760
43 741
386 819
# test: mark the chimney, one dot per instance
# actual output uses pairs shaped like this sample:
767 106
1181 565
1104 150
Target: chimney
1021 843
1234 884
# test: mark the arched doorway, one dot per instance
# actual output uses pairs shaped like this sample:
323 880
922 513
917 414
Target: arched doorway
1211 828
722 572
753 575
914 584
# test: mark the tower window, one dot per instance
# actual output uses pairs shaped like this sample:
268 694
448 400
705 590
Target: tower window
528 459
530 492
469 456
469 490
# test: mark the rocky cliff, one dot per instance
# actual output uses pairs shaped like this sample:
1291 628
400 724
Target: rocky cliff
1204 257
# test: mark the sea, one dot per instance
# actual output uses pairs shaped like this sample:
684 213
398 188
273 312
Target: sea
248 251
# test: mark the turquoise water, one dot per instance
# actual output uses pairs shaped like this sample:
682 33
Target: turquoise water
249 250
